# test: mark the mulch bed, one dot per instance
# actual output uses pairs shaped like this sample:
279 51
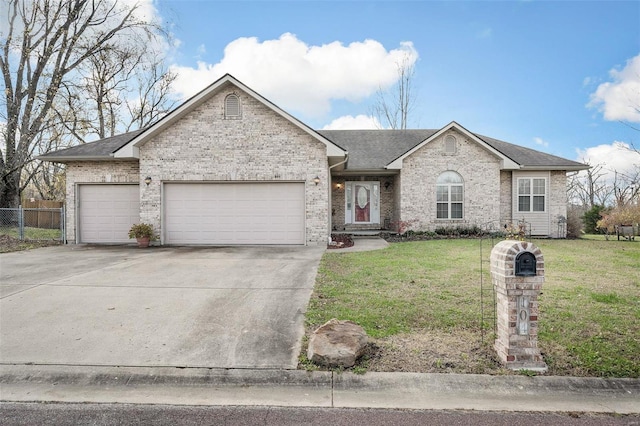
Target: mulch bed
340 241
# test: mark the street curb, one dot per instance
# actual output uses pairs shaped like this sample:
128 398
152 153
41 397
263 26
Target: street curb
297 388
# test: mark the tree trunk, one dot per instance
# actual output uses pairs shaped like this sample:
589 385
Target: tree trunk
10 190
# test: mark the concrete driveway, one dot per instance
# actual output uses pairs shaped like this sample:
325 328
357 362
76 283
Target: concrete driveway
224 307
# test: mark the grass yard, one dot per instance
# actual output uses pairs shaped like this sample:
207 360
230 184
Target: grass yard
419 301
32 233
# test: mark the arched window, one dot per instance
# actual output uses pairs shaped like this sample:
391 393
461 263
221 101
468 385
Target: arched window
450 196
232 106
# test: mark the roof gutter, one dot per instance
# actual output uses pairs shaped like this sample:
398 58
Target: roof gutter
556 168
346 158
87 158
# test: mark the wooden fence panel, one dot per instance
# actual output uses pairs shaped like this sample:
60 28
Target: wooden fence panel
42 219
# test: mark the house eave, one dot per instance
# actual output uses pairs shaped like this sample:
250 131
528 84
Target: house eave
365 172
555 168
94 158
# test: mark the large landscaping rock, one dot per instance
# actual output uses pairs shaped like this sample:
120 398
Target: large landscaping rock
337 344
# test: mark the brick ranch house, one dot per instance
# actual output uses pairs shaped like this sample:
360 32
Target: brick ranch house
230 167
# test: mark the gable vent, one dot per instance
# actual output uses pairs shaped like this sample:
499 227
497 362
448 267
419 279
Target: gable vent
450 144
232 106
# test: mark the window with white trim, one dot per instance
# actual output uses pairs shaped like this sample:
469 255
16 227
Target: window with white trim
449 196
232 106
532 194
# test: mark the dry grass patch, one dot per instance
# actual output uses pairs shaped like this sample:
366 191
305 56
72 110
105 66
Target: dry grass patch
9 244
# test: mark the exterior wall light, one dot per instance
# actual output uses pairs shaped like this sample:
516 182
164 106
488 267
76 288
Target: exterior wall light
339 185
147 180
316 180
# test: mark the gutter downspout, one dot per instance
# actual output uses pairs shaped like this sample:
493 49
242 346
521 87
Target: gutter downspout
346 158
330 221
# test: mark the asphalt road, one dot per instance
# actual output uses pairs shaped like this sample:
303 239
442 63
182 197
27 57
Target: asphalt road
125 414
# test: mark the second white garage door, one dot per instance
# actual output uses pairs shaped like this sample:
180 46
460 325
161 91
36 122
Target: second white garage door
234 213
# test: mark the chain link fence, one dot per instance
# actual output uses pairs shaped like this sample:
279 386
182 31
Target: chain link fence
33 223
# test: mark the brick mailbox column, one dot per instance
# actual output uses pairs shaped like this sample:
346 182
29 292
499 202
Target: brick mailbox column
517 271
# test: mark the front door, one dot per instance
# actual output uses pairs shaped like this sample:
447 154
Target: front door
362 202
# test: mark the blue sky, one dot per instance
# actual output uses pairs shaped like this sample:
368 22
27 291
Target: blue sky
521 71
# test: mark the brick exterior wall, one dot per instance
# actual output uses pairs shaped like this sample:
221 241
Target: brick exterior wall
479 169
94 172
558 203
506 197
203 146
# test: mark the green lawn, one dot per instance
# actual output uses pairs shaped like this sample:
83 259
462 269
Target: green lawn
590 306
32 233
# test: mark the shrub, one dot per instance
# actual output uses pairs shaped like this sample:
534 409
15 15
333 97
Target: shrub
591 218
455 231
574 224
141 230
624 215
516 232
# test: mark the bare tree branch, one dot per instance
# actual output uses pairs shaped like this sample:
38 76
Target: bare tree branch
47 46
393 108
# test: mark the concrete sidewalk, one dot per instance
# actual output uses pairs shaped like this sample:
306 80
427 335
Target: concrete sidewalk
296 388
365 243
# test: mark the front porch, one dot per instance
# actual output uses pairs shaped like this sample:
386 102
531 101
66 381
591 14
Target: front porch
364 205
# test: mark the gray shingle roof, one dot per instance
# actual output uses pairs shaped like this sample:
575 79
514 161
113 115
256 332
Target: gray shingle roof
101 149
368 149
374 149
527 156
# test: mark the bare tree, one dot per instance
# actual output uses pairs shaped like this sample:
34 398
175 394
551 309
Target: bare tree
626 187
589 187
595 187
153 89
393 108
128 89
45 45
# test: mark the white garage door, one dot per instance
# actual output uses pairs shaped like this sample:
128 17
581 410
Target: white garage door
106 212
234 213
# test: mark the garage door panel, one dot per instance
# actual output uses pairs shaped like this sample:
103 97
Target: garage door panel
234 213
106 212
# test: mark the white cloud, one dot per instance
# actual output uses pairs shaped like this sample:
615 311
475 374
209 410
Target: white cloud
299 77
616 157
620 99
358 122
201 49
541 142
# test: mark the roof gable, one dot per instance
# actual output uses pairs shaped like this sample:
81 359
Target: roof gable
506 162
379 150
374 149
131 149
